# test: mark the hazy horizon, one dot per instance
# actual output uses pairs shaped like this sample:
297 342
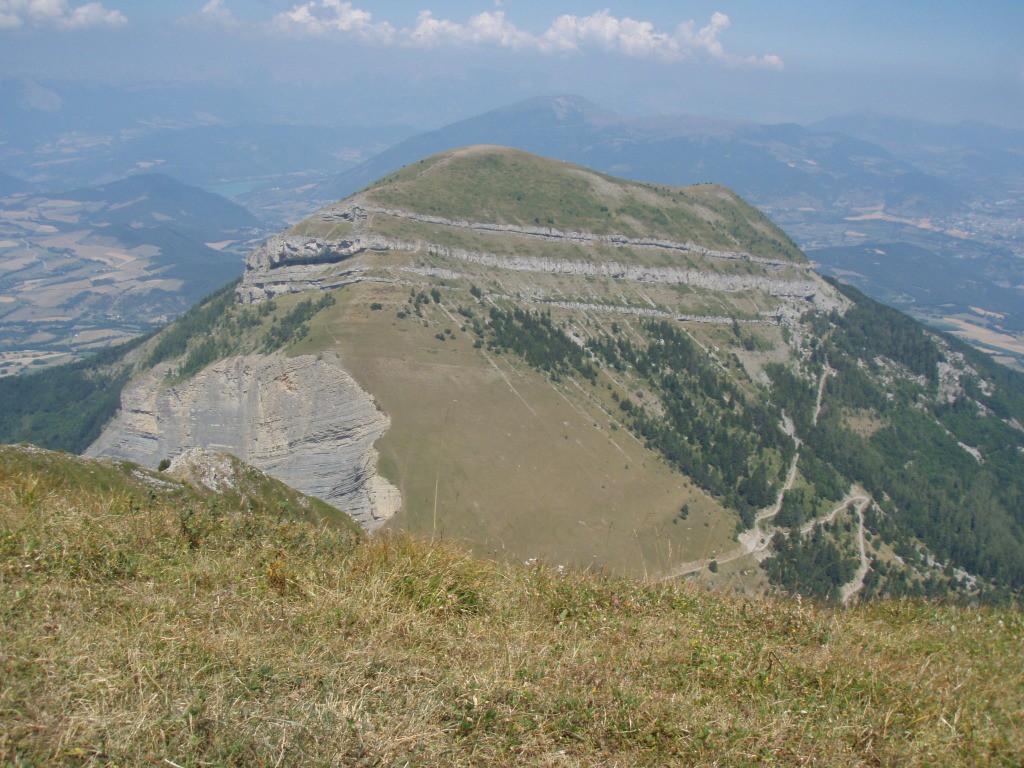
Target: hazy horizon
329 61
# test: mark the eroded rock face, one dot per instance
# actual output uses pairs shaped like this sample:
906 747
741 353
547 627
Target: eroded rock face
302 420
295 263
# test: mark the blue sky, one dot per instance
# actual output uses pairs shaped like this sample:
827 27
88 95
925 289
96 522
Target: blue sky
770 61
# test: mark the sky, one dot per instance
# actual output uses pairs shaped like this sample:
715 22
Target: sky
428 62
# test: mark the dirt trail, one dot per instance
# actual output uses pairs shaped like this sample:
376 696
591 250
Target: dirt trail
821 392
853 496
750 541
857 496
754 539
857 582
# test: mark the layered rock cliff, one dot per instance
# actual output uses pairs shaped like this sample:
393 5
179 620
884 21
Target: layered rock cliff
295 262
303 420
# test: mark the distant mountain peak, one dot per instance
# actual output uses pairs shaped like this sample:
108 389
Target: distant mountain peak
554 111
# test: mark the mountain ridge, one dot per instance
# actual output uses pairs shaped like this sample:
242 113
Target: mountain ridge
148 199
833 190
668 411
788 158
536 391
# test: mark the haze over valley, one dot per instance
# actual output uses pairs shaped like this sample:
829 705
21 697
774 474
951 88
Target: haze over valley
874 159
868 205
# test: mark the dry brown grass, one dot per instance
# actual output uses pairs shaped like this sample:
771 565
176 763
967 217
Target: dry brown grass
518 466
126 641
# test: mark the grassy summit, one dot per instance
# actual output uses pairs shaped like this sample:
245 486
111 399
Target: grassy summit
126 639
507 186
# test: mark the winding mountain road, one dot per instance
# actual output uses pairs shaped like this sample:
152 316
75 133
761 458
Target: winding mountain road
755 540
750 541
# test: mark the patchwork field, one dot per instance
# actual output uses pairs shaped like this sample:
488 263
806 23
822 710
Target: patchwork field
77 275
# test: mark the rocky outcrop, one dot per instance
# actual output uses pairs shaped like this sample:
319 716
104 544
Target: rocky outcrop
285 277
296 250
293 263
697 278
354 210
302 420
214 470
765 318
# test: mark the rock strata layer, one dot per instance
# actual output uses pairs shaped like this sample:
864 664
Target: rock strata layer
302 420
354 211
294 263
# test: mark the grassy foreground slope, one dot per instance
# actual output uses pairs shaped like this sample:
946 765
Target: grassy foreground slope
271 641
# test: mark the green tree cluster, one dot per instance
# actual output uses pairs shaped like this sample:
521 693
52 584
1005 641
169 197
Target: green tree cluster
198 322
294 324
534 336
869 330
63 408
813 566
797 508
967 509
729 443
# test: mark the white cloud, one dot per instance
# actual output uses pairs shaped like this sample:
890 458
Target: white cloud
483 29
321 17
627 36
93 15
631 37
214 15
566 34
57 13
706 40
